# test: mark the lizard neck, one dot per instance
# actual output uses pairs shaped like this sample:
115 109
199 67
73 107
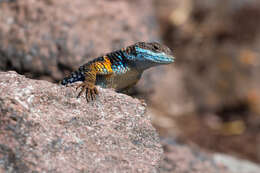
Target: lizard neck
124 60
137 62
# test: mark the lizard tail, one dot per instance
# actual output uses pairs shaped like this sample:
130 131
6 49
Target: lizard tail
73 77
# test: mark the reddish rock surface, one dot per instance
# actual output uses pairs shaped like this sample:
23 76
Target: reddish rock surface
45 39
44 127
215 79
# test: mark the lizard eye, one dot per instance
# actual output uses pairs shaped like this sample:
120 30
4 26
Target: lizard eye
156 47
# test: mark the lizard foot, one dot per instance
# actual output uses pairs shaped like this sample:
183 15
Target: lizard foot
91 91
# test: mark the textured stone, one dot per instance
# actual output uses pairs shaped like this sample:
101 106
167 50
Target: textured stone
44 127
180 158
236 165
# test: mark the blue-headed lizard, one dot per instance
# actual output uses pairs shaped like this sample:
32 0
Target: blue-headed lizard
120 69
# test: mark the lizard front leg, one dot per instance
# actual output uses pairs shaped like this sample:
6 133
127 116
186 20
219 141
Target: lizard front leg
89 86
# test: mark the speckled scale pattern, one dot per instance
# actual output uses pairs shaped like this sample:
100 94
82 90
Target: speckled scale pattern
118 61
112 63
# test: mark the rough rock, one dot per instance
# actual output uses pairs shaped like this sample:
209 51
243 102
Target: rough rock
47 38
45 128
180 158
236 165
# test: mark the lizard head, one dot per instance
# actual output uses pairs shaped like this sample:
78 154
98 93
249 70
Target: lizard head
151 54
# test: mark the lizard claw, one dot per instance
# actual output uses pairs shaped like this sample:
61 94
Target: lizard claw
91 91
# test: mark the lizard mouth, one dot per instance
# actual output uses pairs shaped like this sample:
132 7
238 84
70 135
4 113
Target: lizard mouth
155 57
163 59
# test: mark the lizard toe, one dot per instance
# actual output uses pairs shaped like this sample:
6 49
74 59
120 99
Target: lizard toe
96 91
88 95
84 87
91 94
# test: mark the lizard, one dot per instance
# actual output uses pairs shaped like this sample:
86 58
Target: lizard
120 69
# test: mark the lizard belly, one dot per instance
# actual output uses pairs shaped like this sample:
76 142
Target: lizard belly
119 81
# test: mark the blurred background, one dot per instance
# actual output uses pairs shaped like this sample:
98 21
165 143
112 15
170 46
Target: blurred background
209 97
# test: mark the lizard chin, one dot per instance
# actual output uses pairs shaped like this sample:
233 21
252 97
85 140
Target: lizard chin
165 59
160 58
